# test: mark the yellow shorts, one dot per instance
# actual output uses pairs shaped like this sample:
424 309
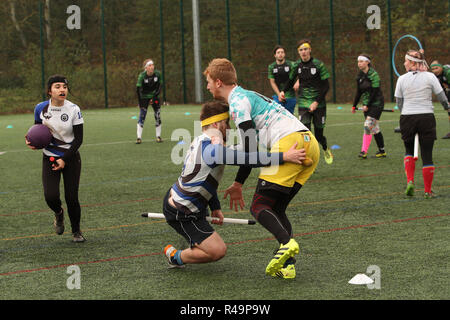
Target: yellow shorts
288 173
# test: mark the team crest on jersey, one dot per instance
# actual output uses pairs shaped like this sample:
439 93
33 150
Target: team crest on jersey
313 70
299 70
64 117
155 79
145 80
286 68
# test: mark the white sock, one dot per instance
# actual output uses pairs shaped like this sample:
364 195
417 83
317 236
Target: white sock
139 131
158 131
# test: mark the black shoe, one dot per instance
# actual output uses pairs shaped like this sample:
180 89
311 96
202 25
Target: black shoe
58 223
446 136
158 139
397 130
138 141
78 237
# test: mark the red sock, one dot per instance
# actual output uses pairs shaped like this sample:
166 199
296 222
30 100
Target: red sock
428 174
410 167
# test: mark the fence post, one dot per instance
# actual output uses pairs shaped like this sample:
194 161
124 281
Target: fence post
197 52
183 62
227 9
332 51
41 41
391 70
161 37
278 22
105 76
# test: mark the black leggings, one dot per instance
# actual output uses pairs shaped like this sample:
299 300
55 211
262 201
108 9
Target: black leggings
71 175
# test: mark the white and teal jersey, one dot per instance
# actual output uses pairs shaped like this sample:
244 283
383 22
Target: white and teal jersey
271 120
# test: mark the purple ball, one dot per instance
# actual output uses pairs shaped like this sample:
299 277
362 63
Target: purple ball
39 136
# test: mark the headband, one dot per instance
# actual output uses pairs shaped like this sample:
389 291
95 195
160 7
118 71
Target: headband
362 58
407 56
304 45
216 118
148 63
436 65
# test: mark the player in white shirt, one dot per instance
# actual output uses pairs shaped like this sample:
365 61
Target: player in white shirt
65 122
261 121
414 98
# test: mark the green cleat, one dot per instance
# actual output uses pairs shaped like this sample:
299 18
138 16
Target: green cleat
410 189
285 252
429 195
286 273
328 156
381 154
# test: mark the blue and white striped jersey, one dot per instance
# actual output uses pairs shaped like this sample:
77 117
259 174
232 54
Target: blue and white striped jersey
204 164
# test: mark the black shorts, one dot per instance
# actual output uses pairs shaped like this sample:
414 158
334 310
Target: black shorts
318 117
144 102
374 112
424 124
193 227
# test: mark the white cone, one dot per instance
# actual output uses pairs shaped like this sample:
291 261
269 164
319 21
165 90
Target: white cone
360 278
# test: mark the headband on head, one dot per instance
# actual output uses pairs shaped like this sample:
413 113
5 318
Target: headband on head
148 63
362 58
216 118
304 45
436 65
407 56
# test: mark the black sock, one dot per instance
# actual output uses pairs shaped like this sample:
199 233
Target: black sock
379 140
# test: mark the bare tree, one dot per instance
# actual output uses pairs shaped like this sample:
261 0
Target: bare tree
12 4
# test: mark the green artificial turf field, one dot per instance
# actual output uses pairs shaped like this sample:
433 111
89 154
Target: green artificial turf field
350 215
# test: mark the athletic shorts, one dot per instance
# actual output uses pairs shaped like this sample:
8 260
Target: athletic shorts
193 227
144 102
288 173
424 124
318 117
374 112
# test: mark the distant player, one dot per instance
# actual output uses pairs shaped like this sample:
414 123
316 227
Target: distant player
313 78
278 75
262 121
66 125
369 89
414 98
148 88
186 203
442 72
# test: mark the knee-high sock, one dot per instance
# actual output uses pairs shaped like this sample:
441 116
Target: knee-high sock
428 174
379 140
367 138
158 131
410 167
139 131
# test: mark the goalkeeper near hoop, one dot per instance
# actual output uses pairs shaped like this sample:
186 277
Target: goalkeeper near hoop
186 203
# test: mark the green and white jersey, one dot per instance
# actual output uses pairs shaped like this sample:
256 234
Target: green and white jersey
310 74
150 85
368 86
271 120
444 77
280 73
